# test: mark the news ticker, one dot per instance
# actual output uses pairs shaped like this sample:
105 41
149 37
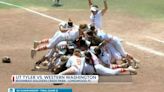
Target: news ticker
32 79
39 90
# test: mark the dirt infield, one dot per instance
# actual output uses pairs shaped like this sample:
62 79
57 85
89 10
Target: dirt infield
19 28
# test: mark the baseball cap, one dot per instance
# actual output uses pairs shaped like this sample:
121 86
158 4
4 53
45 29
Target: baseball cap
94 8
63 26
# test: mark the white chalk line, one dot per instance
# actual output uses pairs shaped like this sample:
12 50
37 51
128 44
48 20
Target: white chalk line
32 11
155 39
56 19
146 49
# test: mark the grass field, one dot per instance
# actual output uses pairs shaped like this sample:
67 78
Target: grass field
151 9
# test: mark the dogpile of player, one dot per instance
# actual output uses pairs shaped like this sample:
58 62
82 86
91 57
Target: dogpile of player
84 50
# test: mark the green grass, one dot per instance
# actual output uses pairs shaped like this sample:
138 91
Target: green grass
30 3
143 8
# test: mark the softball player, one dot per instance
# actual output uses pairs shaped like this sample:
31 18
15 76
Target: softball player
106 58
93 65
67 36
74 64
60 49
63 27
96 14
114 45
60 66
115 48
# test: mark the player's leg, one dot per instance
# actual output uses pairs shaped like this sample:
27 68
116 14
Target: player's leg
41 48
37 43
115 66
119 59
54 41
39 62
114 53
44 58
47 40
107 71
105 57
118 46
44 41
107 60
50 57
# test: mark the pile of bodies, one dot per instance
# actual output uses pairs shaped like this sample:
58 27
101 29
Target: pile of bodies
84 50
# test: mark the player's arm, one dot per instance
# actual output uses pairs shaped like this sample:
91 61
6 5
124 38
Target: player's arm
90 3
105 7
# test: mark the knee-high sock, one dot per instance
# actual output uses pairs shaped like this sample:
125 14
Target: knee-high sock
41 48
44 41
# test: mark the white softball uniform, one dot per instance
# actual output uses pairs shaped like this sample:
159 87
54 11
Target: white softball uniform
114 46
77 64
96 20
116 42
104 56
100 69
67 36
58 32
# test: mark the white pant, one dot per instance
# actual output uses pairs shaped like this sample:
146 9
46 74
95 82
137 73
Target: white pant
116 42
105 57
55 40
100 69
114 53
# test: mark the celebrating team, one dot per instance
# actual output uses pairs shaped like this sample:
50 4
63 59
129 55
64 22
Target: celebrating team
85 49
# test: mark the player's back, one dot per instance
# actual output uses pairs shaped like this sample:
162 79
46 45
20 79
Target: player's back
71 35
